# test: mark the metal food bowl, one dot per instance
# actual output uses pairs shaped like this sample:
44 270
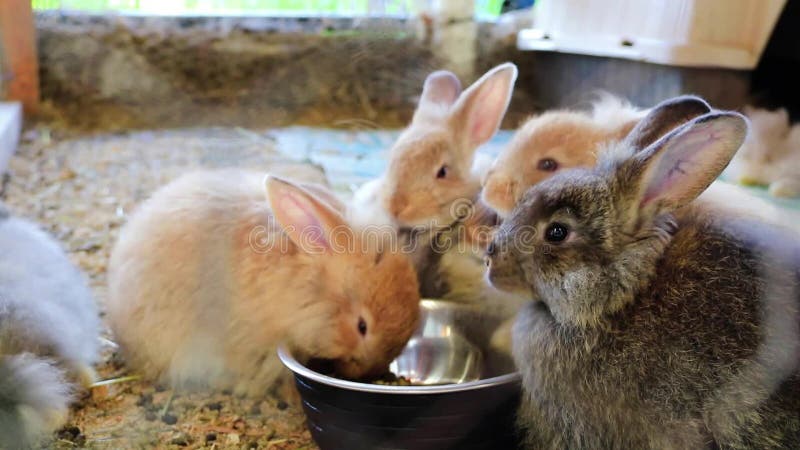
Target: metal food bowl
464 394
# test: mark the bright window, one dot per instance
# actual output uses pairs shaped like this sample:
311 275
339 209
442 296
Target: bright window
484 8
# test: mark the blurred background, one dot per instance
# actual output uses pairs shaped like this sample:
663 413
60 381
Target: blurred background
123 64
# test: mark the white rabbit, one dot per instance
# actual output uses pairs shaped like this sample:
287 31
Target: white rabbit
49 332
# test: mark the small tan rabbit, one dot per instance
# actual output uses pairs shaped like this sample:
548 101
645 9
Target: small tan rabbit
565 139
431 165
214 271
553 141
432 182
658 324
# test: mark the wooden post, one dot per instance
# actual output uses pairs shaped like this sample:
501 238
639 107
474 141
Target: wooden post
19 66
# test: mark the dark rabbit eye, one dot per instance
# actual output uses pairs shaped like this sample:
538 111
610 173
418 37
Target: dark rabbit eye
362 326
547 165
556 232
442 173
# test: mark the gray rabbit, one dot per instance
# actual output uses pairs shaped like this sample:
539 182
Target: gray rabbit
662 321
49 330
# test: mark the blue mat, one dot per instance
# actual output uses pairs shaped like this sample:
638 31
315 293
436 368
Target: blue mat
352 157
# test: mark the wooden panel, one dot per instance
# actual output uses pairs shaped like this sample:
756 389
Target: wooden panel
20 69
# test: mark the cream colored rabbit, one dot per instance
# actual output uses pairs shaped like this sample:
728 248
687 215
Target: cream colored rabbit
215 270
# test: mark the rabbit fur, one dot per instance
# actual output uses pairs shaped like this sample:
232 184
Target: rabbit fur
49 332
658 323
215 270
428 194
553 141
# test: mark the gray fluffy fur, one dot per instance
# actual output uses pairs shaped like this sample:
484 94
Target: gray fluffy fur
49 327
653 329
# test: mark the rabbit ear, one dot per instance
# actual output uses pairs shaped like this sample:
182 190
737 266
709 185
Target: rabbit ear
312 224
664 117
675 170
480 109
441 87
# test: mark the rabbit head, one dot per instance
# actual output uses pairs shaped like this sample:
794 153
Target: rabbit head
585 241
430 166
564 139
370 294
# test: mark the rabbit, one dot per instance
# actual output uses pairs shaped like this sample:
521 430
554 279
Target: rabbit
217 268
49 333
432 180
770 155
656 323
553 141
430 165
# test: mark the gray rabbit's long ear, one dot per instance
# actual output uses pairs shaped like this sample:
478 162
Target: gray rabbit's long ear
665 117
677 168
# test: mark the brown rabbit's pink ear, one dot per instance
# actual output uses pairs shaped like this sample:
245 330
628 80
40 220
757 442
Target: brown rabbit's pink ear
441 87
665 117
312 224
478 112
677 168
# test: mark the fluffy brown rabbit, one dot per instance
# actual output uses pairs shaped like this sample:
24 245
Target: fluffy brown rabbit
564 139
216 269
431 165
658 324
433 178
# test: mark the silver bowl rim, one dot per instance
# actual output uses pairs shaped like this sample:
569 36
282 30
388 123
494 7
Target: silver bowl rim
292 364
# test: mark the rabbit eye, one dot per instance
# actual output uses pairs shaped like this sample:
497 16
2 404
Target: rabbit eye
556 232
547 165
442 173
362 326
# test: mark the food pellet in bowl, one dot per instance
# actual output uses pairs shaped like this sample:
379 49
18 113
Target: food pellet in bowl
390 379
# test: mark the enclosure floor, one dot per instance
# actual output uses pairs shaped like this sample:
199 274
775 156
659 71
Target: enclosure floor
81 191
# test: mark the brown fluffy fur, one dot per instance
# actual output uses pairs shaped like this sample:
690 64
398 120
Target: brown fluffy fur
446 131
195 296
570 138
658 325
